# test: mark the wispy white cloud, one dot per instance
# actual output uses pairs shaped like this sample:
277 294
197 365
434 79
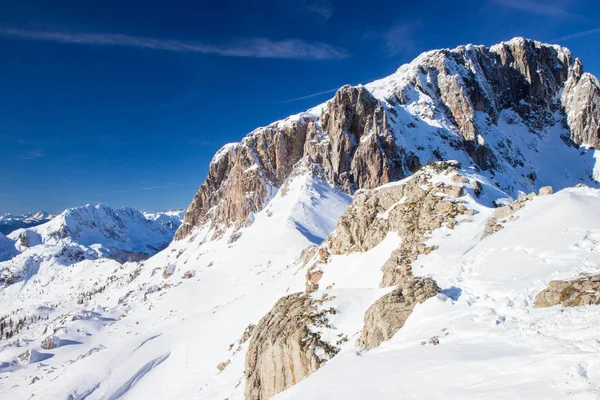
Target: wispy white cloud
32 155
322 9
400 39
577 35
543 8
135 190
308 96
243 47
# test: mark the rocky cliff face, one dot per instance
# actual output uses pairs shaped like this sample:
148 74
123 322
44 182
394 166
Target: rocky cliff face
412 209
471 103
283 349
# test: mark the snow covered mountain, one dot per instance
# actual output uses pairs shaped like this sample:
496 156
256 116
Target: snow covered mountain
9 222
7 248
380 244
521 112
112 233
172 219
92 232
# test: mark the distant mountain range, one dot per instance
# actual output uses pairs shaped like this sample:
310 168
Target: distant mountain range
9 222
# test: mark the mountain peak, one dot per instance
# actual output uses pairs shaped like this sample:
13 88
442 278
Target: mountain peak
506 110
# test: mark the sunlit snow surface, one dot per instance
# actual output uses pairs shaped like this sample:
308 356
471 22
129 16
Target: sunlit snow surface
493 343
166 337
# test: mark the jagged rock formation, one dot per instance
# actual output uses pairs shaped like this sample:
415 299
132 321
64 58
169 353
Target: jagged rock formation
357 151
283 350
388 314
581 99
466 101
412 209
577 292
505 213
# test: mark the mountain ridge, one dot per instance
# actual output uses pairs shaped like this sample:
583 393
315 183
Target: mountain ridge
446 104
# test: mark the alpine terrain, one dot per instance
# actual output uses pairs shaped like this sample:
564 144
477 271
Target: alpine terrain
433 234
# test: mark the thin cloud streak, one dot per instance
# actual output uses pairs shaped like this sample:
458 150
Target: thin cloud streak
308 96
33 155
135 190
577 35
245 47
323 9
534 7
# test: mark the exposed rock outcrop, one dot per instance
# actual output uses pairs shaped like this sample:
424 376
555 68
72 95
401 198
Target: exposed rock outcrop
577 292
505 213
283 350
388 314
50 342
364 136
412 209
349 144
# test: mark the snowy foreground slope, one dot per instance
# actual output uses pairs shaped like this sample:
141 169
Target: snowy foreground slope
305 225
160 330
212 291
492 342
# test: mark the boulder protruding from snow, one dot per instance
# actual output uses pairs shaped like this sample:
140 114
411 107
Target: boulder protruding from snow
577 292
50 342
546 190
388 314
283 350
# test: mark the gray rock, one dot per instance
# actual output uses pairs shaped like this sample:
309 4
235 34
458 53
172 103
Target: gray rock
282 350
50 342
412 210
577 292
504 214
388 314
546 190
353 144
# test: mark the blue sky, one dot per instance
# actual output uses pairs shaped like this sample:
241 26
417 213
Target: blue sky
125 102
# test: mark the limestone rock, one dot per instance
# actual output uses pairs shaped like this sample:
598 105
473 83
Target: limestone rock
505 213
282 349
50 342
577 292
388 314
412 210
222 365
546 190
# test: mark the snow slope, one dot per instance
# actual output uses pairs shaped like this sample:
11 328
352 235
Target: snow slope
159 329
7 248
493 343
